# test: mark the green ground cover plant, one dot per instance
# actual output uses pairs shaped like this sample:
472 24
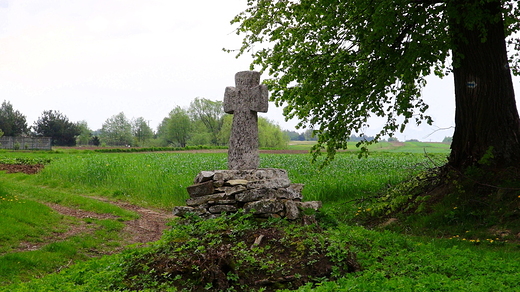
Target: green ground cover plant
23 219
23 186
449 260
389 262
393 262
409 147
27 265
28 224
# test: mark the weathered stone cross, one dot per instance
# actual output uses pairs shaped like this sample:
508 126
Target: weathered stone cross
244 101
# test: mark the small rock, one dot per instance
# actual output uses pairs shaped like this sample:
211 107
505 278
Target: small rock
315 205
268 173
218 183
291 210
235 182
204 176
295 191
388 222
291 193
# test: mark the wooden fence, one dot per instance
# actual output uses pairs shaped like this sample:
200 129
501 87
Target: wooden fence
25 143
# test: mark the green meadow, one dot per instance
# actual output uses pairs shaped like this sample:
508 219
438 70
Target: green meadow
410 147
93 261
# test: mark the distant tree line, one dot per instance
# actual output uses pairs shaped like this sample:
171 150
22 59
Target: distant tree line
205 123
202 123
308 135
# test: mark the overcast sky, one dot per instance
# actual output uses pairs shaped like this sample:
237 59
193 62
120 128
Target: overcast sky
92 59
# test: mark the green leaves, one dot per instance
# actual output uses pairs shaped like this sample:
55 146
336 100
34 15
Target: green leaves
335 64
12 122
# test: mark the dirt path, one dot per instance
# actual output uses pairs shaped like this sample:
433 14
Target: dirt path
147 228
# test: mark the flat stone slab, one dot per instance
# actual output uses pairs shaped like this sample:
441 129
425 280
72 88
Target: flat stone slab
236 182
204 176
292 211
265 206
231 190
181 211
255 195
201 189
203 200
274 183
222 208
315 205
248 174
251 195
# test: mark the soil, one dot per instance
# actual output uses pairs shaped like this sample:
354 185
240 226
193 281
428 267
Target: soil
264 259
28 169
148 227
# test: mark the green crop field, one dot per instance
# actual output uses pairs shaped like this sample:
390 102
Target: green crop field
409 147
77 179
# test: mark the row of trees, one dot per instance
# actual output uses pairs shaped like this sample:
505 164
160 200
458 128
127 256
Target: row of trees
310 135
203 123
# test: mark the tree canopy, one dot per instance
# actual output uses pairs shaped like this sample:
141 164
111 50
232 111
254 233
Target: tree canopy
176 129
12 122
204 123
85 133
335 64
209 113
56 125
117 131
141 131
270 135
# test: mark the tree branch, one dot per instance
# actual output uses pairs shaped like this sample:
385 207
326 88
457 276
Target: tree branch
429 2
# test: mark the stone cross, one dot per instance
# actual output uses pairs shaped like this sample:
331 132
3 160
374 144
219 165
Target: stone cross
244 101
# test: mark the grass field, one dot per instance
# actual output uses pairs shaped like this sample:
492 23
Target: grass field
409 147
391 261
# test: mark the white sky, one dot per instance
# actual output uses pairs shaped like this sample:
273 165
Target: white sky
92 59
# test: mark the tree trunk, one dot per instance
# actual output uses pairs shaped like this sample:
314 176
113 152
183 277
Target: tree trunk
487 124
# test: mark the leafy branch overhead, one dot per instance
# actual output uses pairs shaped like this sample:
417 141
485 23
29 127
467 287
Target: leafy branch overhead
335 64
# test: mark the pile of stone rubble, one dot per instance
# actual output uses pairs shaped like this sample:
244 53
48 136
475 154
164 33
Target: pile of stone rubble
267 192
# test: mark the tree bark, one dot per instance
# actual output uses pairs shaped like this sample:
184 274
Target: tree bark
487 124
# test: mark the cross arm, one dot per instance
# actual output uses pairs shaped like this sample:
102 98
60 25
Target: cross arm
230 99
261 102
